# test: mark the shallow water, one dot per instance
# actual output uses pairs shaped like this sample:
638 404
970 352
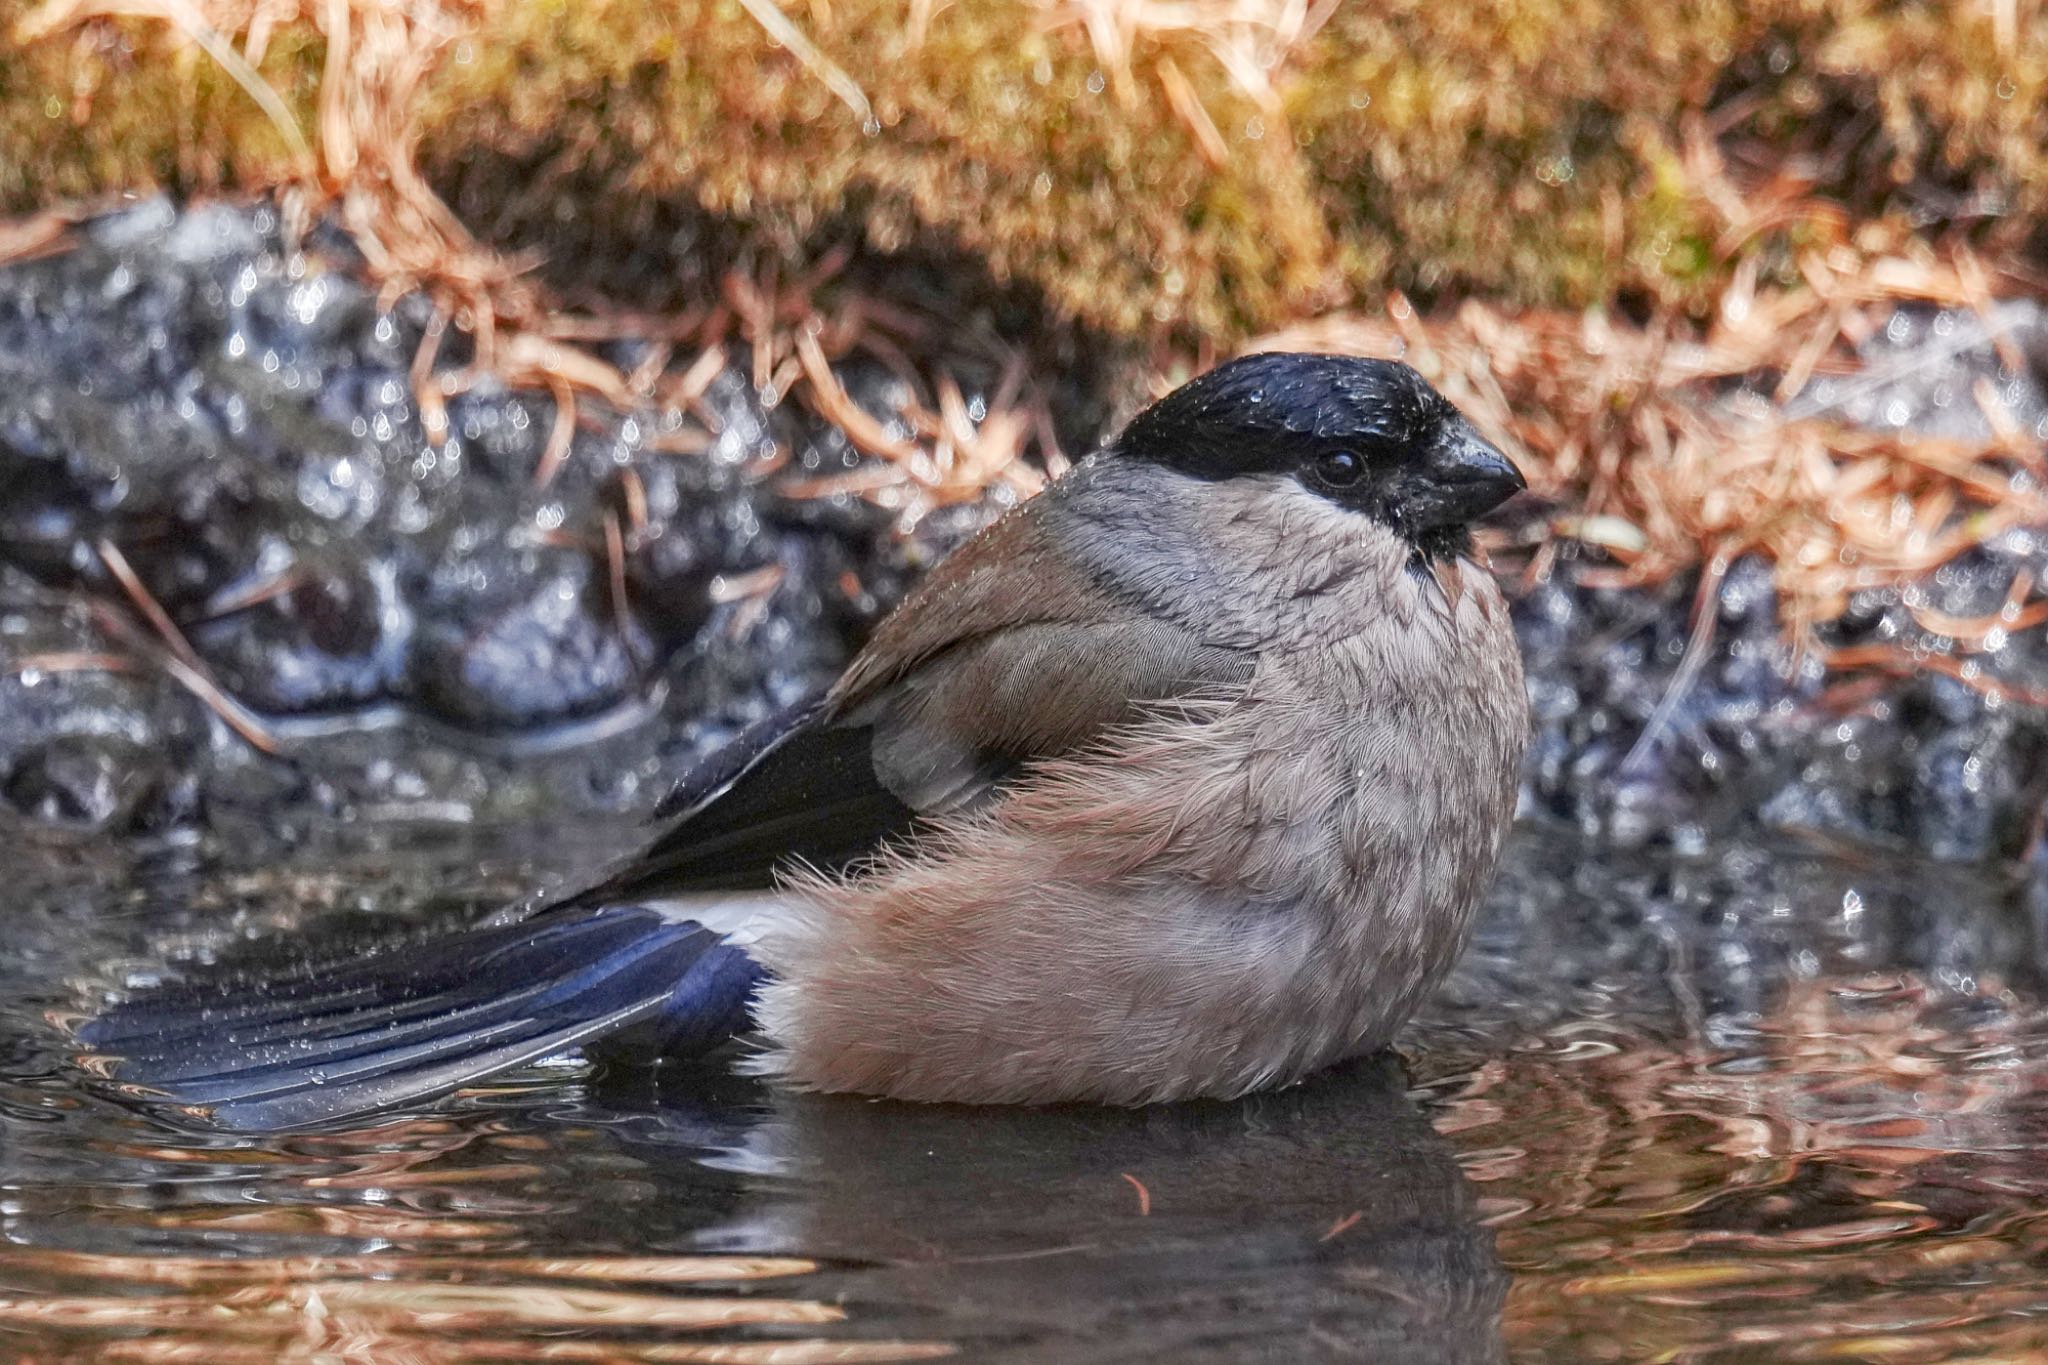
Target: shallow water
1762 1105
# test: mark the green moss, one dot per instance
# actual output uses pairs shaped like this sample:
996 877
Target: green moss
1525 150
125 104
989 136
1487 141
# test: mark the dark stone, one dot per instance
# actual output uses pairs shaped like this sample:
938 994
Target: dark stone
419 625
517 638
97 782
435 628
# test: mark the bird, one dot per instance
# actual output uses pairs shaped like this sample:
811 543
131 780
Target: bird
1183 778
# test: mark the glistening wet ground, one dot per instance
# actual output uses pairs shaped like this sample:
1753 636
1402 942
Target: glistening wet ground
1756 1104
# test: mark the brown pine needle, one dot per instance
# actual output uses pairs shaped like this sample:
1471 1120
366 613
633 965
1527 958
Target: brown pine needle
236 716
1891 659
152 611
179 658
1342 1226
256 594
561 437
1706 613
633 492
45 233
73 661
836 406
426 389
615 566
741 587
689 391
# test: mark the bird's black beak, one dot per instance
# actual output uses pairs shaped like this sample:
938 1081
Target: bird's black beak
1463 477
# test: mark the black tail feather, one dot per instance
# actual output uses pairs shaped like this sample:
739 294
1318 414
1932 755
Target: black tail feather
422 1019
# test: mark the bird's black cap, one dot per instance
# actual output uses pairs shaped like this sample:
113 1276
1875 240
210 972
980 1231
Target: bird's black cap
1370 435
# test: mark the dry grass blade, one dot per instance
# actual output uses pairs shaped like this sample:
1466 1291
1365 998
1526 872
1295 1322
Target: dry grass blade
72 661
188 19
561 435
152 611
1250 39
179 659
778 26
39 234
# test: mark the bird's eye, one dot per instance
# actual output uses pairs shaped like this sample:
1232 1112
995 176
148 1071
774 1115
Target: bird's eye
1339 468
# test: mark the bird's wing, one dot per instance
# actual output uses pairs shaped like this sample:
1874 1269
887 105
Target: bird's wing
972 678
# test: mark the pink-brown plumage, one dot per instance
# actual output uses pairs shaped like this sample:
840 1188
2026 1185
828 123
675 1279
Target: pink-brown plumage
1220 894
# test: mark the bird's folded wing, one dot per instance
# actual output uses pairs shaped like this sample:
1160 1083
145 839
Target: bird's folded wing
978 675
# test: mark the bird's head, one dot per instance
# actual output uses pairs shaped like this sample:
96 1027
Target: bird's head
1368 435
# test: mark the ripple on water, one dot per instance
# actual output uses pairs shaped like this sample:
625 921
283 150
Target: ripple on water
1615 1140
1863 1183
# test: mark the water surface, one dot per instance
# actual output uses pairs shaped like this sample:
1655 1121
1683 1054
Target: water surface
1758 1105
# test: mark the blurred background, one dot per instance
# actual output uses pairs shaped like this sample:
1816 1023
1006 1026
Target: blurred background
426 428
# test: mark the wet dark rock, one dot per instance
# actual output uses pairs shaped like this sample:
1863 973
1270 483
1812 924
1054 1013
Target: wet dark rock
322 639
440 631
1928 369
100 782
422 626
1632 747
1636 747
517 638
85 740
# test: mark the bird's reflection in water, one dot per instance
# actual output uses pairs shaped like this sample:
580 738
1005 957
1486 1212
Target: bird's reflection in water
1324 1222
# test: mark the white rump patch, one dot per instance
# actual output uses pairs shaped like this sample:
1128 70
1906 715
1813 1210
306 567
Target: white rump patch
742 918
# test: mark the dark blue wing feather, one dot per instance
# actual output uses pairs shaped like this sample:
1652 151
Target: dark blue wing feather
330 1041
803 793
422 1018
